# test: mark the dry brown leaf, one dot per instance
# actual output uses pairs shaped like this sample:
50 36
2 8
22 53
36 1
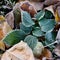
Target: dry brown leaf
27 6
46 53
1 34
20 51
57 18
2 46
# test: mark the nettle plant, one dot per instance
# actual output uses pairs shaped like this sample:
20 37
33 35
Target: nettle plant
37 32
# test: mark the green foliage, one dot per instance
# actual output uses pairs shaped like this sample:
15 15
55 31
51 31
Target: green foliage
26 19
47 24
37 32
48 14
50 38
38 49
27 30
14 37
40 15
31 30
31 41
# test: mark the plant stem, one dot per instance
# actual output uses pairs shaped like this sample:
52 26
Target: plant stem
51 43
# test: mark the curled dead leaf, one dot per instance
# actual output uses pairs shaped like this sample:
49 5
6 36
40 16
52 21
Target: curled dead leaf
27 6
46 53
2 46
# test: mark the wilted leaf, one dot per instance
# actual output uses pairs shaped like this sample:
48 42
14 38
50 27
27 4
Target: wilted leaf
27 30
2 46
47 24
40 15
37 32
31 41
26 19
14 37
17 17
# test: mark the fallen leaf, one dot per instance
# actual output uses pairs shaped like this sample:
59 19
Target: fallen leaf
46 53
49 2
57 50
2 46
1 34
57 18
58 8
6 28
10 19
20 51
38 5
27 6
56 5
